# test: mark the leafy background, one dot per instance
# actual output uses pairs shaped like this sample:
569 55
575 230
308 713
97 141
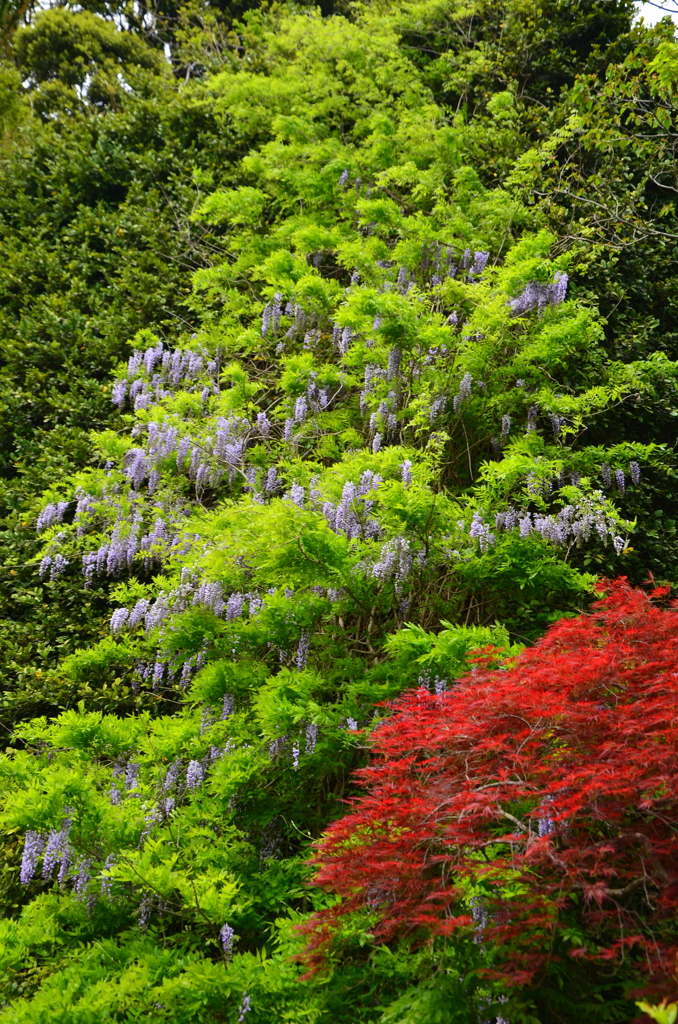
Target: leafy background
350 221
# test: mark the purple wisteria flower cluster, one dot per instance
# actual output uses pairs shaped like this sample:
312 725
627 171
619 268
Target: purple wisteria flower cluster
383 424
352 515
191 592
537 295
117 555
396 562
51 514
573 524
157 372
227 935
619 477
55 849
442 262
440 404
205 457
53 565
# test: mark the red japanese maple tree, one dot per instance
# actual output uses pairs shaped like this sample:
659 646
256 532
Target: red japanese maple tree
527 802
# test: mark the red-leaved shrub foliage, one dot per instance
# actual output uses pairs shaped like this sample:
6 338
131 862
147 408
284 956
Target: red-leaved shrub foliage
534 807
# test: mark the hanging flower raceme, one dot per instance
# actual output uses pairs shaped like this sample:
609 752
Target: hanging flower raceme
536 295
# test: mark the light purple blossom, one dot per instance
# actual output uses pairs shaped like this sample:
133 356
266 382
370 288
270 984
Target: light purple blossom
634 470
195 775
266 319
118 620
52 513
263 424
34 844
525 525
479 263
83 509
276 311
537 295
81 880
297 495
56 566
151 357
135 466
481 532
395 562
406 471
394 359
235 606
119 392
302 650
209 595
227 935
138 612
556 423
532 419
479 915
300 409
620 480
506 520
207 720
345 340
106 880
311 737
134 363
145 911
330 513
171 776
271 483
545 823
131 775
345 519
183 450
57 850
438 407
299 323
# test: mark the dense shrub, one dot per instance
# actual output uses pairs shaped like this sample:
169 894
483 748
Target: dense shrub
534 804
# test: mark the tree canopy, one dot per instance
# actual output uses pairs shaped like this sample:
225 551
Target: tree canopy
338 345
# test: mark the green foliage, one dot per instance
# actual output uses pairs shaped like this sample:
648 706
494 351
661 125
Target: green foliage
198 757
65 52
664 1013
95 247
